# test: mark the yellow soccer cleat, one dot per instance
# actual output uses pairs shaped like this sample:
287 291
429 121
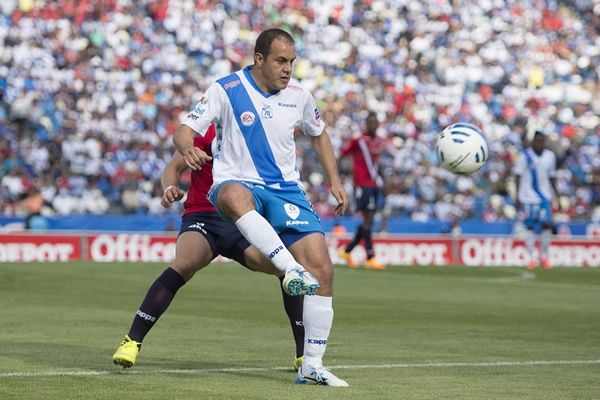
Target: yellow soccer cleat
298 362
127 353
372 263
348 257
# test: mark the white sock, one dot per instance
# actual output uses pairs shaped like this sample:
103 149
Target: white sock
545 238
318 318
257 230
530 243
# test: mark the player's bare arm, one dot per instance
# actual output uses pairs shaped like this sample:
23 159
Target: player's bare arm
170 179
324 151
184 143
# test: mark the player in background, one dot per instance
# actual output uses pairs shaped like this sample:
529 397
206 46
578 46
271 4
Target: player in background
368 181
535 172
203 236
257 186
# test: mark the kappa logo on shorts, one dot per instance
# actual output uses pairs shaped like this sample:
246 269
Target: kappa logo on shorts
291 210
247 118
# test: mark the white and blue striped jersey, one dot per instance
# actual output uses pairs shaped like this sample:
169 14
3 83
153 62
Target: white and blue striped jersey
535 172
255 131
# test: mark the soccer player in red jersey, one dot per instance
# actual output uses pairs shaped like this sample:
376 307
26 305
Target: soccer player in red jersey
202 237
365 151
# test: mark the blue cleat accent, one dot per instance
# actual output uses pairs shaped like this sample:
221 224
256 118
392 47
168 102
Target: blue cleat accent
298 282
319 376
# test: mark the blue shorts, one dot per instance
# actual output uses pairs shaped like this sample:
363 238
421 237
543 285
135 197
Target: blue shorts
288 211
224 239
367 198
537 214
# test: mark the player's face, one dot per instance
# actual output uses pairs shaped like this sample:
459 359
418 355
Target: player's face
276 69
372 125
538 143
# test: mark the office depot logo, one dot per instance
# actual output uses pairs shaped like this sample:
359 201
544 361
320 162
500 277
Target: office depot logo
39 248
131 247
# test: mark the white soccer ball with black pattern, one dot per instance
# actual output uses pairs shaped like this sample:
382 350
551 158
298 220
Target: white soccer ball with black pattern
461 148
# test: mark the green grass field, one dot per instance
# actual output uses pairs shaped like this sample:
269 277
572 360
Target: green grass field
402 333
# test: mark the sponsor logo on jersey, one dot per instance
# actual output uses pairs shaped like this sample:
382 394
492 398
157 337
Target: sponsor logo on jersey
267 111
203 100
317 115
291 210
287 105
296 87
247 118
231 84
197 111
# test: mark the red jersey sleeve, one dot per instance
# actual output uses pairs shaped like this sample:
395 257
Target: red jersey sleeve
202 179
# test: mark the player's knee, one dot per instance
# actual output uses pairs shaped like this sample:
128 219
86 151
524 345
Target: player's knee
186 268
234 200
321 267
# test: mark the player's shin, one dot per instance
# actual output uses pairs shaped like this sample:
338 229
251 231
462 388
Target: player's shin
257 230
530 243
545 238
318 318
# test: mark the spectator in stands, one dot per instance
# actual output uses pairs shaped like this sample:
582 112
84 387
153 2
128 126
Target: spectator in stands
127 81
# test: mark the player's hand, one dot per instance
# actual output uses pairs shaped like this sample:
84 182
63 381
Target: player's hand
340 194
171 195
195 158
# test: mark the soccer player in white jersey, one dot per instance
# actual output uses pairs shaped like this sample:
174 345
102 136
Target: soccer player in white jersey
535 172
257 185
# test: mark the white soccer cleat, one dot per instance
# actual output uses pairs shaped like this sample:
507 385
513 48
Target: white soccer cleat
299 281
319 376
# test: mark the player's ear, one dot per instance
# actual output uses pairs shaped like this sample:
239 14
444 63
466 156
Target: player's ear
258 59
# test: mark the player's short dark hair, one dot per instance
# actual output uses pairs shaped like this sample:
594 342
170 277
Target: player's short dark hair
265 39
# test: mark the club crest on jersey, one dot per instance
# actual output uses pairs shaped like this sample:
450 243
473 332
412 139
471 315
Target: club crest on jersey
247 118
267 111
291 210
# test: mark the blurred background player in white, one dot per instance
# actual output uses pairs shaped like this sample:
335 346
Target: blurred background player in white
257 184
368 181
535 172
202 237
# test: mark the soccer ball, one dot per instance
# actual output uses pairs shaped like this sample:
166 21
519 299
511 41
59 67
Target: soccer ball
461 148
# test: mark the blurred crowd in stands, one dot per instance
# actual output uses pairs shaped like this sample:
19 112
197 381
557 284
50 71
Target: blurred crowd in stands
92 90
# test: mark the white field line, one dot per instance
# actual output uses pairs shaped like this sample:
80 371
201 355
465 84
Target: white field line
516 276
229 370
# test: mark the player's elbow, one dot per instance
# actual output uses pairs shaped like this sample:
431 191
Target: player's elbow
183 137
